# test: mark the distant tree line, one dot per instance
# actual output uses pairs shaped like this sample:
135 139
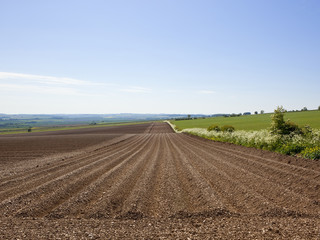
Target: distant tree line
189 117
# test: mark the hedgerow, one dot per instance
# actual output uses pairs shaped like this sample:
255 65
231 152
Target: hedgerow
283 136
307 146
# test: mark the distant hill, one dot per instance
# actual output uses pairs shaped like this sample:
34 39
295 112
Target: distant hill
39 120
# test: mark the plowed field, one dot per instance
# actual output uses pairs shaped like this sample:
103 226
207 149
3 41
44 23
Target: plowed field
145 181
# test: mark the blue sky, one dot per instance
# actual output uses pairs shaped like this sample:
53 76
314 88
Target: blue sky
159 56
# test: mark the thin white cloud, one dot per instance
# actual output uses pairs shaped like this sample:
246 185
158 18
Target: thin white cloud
23 88
28 83
206 92
38 89
41 79
49 80
136 90
18 82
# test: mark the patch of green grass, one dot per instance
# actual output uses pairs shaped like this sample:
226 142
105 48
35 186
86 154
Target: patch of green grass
252 122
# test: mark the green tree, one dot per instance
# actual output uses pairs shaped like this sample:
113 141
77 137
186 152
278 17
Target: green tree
280 126
277 120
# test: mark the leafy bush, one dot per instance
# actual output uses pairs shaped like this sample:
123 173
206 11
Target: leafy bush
311 153
214 127
291 149
277 120
227 128
290 127
306 130
282 127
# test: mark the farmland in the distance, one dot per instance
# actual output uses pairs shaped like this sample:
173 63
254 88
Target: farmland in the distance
253 122
20 123
146 182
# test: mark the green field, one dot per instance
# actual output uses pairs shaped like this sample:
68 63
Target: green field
60 128
252 122
20 123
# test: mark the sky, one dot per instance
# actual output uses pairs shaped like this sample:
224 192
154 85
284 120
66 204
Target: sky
158 56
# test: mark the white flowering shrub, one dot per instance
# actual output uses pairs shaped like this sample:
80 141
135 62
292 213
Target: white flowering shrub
291 144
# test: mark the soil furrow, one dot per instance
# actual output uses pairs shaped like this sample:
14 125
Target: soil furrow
158 199
272 192
112 202
297 183
43 190
306 170
53 173
224 184
73 186
45 170
134 204
203 196
94 192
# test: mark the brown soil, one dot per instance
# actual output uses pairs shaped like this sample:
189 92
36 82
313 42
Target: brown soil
147 182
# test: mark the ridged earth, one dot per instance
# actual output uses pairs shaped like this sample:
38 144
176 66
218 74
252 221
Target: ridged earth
145 181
